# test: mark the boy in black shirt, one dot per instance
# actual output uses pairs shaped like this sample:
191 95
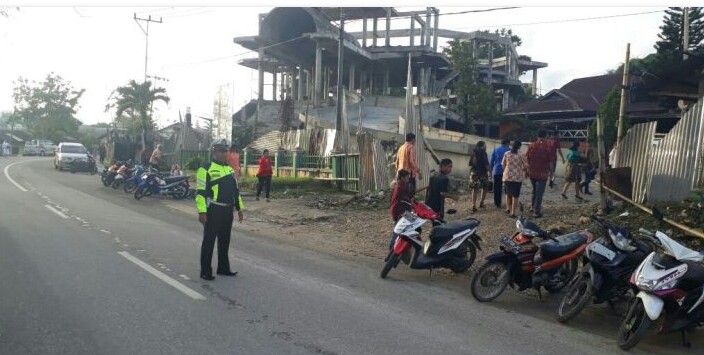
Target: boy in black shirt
438 188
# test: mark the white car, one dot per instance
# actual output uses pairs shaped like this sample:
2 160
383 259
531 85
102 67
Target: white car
67 153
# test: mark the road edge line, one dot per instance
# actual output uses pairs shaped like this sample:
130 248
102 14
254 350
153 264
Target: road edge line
163 277
7 175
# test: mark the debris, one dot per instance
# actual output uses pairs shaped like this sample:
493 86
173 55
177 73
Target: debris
624 214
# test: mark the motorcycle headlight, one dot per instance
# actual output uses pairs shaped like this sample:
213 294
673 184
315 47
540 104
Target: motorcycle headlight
645 284
621 242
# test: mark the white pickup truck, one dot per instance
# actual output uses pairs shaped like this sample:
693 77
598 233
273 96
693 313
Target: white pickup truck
39 147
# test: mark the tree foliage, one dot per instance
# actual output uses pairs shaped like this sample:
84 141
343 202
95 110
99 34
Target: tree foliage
609 110
47 108
475 99
243 135
133 107
671 44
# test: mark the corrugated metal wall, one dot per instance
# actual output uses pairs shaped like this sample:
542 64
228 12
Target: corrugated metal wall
673 168
636 153
677 161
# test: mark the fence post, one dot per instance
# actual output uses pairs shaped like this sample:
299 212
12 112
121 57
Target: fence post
276 163
296 162
244 163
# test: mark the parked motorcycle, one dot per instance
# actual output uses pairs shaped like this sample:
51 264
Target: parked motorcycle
608 264
451 245
87 166
551 264
670 282
109 174
123 173
152 184
135 179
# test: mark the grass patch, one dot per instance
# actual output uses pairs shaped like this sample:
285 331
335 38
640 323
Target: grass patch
289 187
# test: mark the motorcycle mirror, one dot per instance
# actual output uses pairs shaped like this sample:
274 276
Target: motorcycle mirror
657 213
451 211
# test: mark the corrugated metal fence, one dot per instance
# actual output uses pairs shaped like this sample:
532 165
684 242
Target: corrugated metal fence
670 170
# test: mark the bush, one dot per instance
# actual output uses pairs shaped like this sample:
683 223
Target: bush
194 163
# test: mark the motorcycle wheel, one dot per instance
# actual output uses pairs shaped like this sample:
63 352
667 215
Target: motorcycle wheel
471 256
390 264
116 184
139 193
576 298
569 269
129 187
634 326
490 281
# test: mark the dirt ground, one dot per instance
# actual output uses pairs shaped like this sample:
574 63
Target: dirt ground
331 223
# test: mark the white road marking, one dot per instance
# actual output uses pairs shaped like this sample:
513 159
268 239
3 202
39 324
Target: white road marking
184 277
163 277
105 231
59 213
7 175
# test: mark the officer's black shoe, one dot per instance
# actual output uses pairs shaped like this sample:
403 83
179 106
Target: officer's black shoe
207 277
227 273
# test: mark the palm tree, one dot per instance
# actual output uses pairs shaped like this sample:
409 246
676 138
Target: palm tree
133 106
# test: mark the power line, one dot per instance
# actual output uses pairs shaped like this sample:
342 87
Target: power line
243 53
563 21
448 13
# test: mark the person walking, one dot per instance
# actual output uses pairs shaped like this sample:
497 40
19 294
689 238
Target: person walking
264 174
497 170
554 143
401 201
233 159
217 198
479 181
438 188
155 158
515 168
6 149
406 160
590 168
540 157
573 173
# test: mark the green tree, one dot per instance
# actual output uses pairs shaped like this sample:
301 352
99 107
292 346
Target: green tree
609 110
670 46
47 108
649 63
243 135
475 99
133 107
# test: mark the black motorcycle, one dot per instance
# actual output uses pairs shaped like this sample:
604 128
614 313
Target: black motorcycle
87 166
608 263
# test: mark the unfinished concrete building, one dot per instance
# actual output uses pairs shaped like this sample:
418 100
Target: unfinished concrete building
298 48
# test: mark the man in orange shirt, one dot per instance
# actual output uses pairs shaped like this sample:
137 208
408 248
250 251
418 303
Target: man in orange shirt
406 160
233 160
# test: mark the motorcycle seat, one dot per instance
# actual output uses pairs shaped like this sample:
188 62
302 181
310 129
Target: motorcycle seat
170 179
451 228
564 244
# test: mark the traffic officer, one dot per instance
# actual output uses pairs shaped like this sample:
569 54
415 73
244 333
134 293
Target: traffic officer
218 196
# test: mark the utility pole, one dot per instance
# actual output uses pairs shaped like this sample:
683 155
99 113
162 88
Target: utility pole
685 34
146 33
340 72
624 96
603 207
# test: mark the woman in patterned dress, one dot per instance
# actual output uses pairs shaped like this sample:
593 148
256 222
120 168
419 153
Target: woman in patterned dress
515 171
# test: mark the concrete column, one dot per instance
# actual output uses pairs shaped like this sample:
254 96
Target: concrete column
535 82
374 31
427 26
260 84
284 85
273 85
364 32
435 29
387 91
300 83
387 39
419 83
490 79
423 28
318 85
507 64
326 85
371 82
413 29
351 78
363 81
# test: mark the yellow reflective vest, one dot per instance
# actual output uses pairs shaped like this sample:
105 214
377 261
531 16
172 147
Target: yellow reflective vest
216 183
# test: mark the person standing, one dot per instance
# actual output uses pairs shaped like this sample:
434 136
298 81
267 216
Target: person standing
6 149
217 198
497 169
556 150
515 167
155 158
438 188
479 181
590 168
264 173
233 159
572 172
406 160
540 161
401 201
101 153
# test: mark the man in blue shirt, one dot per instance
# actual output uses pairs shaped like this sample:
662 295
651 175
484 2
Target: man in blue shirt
497 170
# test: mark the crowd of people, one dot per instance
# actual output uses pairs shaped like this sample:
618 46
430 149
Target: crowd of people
503 172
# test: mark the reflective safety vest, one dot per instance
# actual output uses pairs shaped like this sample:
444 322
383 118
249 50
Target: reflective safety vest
216 184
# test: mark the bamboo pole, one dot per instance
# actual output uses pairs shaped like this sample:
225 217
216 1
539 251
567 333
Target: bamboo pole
624 96
603 207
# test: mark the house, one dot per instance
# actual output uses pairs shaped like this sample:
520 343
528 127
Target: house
568 111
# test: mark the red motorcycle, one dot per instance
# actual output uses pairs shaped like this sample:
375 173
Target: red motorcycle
551 264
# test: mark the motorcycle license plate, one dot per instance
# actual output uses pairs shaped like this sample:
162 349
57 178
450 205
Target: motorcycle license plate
602 250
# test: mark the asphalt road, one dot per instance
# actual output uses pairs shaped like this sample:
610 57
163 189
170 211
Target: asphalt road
85 269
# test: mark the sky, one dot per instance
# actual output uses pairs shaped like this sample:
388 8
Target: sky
101 48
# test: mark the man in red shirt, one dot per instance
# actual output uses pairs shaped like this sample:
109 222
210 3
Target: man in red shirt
540 159
233 160
264 174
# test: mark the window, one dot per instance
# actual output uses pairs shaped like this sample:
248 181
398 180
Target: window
75 149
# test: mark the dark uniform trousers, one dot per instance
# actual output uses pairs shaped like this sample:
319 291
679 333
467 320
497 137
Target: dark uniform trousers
218 226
